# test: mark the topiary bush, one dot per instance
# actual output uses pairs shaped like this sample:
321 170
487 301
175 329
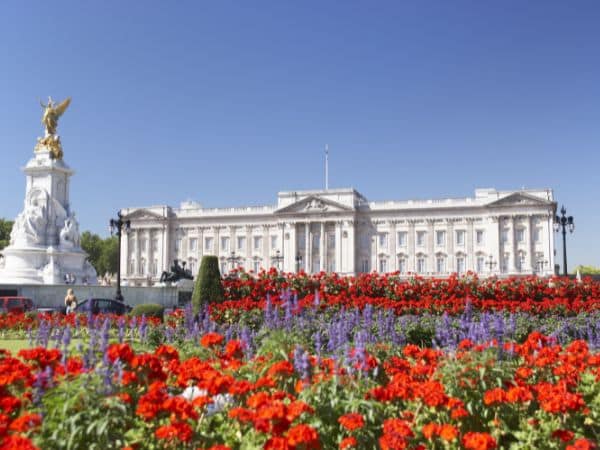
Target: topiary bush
208 287
149 310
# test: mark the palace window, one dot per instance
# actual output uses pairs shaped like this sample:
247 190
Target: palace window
143 244
331 241
479 236
257 242
460 237
504 263
440 264
383 265
154 245
421 264
539 262
256 265
142 267
154 268
224 243
331 266
460 264
177 245
421 238
241 243
365 266
208 244
440 237
521 261
504 235
383 241
402 264
223 267
520 234
273 242
480 264
537 235
193 244
192 265
402 238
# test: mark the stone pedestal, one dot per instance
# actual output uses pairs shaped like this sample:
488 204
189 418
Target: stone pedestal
45 241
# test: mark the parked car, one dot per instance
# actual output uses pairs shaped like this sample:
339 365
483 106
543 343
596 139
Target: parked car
103 306
15 304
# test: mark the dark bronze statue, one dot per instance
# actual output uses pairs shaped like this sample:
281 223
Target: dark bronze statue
178 272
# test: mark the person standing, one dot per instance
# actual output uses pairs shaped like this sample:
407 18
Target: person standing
70 301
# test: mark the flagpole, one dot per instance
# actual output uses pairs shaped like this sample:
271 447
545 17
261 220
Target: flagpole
326 166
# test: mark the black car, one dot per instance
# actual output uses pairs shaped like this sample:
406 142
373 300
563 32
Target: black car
103 306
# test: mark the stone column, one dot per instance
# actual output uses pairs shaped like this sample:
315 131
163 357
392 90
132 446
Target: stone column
411 258
200 248
392 245
233 244
530 258
450 245
351 267
217 243
469 263
338 246
166 246
493 245
431 263
322 248
513 258
249 245
266 257
124 255
307 249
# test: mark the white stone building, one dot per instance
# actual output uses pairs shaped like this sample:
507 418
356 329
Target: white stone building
493 233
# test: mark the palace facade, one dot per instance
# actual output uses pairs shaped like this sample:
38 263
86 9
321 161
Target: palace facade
338 230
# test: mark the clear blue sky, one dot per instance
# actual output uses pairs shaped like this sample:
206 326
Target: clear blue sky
228 102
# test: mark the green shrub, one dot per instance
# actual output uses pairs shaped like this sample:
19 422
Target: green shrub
208 288
149 310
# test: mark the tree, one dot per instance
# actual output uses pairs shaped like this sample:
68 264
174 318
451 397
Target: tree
92 245
208 288
102 253
587 270
5 229
109 257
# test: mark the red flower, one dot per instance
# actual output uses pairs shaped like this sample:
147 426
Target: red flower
478 441
211 339
563 435
352 421
348 442
304 436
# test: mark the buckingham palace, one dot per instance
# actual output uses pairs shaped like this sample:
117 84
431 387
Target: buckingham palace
338 230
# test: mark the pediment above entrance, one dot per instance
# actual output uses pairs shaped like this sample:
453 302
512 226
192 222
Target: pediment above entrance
143 214
520 199
314 204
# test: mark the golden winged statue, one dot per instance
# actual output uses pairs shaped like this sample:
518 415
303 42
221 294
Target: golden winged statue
51 141
52 112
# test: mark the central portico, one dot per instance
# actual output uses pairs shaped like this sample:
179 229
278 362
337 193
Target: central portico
339 230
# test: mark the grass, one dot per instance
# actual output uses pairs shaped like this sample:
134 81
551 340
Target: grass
14 345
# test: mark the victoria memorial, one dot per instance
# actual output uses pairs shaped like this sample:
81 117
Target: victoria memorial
338 230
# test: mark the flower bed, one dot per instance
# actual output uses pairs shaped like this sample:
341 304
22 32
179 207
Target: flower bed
212 396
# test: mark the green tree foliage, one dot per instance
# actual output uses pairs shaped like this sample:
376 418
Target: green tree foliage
587 270
103 253
208 288
5 229
148 310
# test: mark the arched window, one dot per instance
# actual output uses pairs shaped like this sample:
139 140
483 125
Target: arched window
402 263
440 263
421 263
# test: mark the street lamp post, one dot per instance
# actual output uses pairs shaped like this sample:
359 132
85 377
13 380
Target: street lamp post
298 262
277 259
562 223
117 227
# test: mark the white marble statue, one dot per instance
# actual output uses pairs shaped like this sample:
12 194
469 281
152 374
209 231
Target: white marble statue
69 234
30 225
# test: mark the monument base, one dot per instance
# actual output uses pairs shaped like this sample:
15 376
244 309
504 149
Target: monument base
33 265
